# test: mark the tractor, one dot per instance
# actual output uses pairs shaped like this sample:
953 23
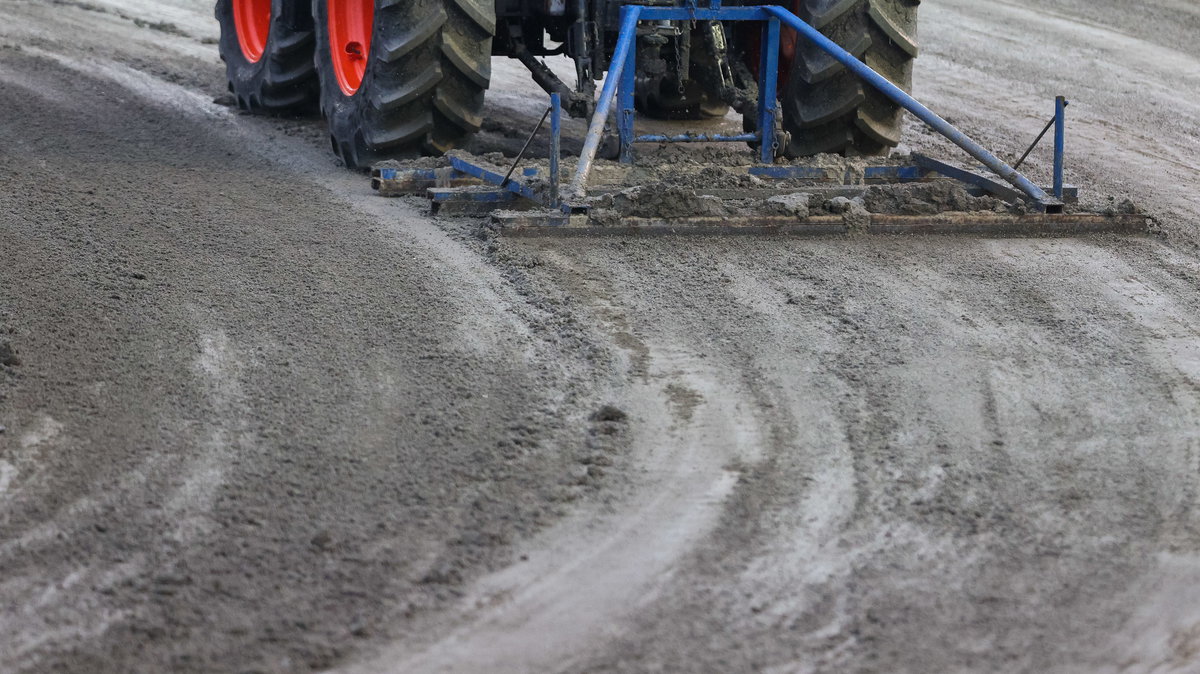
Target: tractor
402 78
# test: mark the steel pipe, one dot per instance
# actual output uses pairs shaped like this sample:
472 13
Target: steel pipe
1060 141
595 134
994 163
555 146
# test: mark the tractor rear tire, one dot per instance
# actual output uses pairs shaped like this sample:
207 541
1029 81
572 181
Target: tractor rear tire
269 65
427 68
826 108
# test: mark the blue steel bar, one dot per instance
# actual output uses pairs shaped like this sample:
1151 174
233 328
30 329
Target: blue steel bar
923 113
555 145
629 19
494 178
626 89
768 82
1060 142
697 138
796 173
894 174
749 13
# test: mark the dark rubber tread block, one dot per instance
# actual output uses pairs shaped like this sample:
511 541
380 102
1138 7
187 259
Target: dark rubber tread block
284 80
829 109
423 90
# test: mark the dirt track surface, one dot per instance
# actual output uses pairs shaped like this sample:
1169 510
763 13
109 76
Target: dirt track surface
258 419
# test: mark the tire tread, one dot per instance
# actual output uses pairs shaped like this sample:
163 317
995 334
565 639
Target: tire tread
282 82
423 92
829 109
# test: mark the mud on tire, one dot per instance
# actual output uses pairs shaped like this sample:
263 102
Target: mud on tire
283 81
826 107
422 92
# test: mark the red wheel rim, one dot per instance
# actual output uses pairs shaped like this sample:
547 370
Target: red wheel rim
350 40
253 21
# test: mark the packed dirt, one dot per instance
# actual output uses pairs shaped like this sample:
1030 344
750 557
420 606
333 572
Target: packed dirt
255 418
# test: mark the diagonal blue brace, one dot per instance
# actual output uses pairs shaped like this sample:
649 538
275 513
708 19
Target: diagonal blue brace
1044 201
591 143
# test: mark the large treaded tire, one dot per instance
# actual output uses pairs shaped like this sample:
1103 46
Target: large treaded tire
422 91
826 108
284 80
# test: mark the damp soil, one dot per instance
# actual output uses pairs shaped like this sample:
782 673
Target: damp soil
255 418
659 186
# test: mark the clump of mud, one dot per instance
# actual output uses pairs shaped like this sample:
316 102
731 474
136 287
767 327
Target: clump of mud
797 205
609 413
1125 207
692 155
663 200
686 197
853 211
8 355
930 198
414 163
719 177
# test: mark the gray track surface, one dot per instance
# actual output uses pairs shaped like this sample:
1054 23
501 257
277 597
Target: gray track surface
259 419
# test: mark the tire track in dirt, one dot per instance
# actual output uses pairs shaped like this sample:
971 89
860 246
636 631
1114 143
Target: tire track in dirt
359 397
692 431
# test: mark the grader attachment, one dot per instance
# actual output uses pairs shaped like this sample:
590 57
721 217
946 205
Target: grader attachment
913 194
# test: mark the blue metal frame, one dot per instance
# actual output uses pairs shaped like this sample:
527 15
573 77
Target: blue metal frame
768 97
516 187
595 134
626 83
923 168
970 177
1060 141
768 100
620 83
555 146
